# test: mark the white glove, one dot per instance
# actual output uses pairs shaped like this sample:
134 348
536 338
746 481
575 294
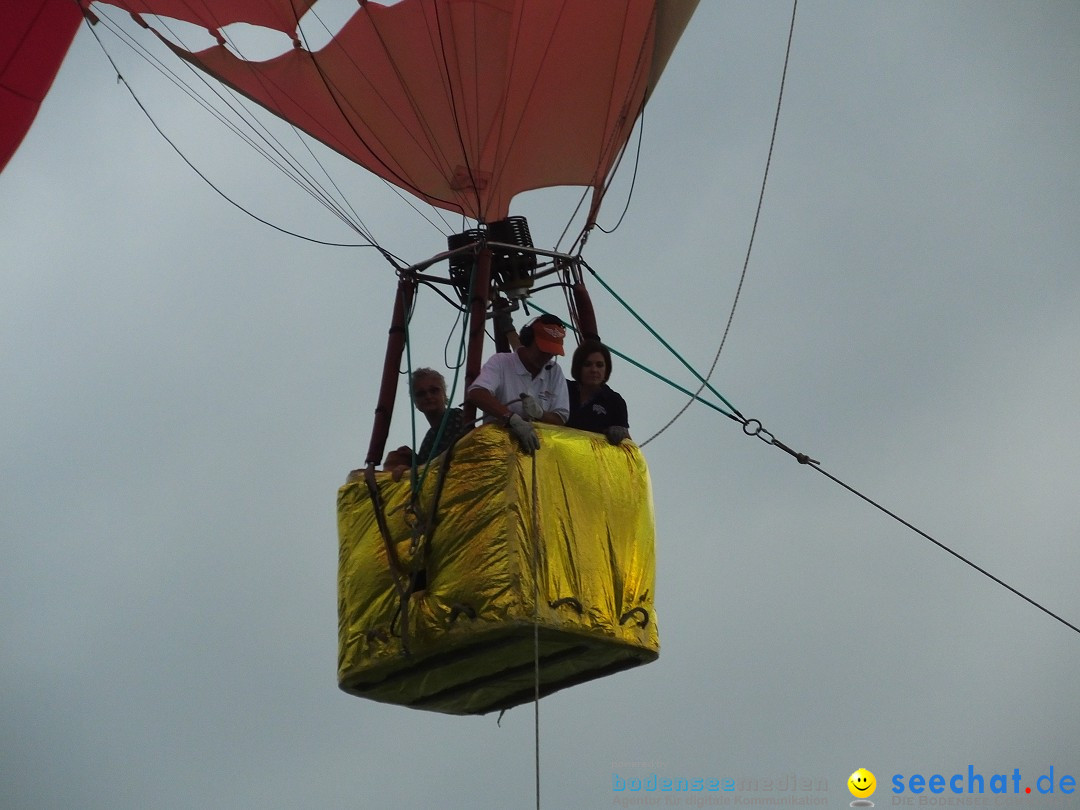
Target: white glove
616 433
533 409
524 432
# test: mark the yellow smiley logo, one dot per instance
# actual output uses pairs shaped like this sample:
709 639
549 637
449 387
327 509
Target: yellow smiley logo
862 783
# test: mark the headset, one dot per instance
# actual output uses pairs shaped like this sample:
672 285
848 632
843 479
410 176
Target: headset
527 333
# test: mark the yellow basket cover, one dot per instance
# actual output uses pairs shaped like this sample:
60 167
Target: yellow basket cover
466 641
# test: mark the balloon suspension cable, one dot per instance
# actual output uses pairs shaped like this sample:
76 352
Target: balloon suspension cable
334 93
435 289
460 320
292 169
633 177
579 241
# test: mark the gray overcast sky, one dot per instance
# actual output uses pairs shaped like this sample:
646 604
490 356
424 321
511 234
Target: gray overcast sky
185 389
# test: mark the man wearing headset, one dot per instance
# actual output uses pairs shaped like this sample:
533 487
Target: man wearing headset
523 386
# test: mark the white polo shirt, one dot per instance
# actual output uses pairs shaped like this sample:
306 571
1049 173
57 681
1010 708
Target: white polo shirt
506 378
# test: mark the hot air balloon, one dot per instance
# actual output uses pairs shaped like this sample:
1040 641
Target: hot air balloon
489 577
34 39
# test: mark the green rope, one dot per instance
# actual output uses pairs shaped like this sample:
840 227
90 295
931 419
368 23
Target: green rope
418 480
662 378
453 389
675 385
738 416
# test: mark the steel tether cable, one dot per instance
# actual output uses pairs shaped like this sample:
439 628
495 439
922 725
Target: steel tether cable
754 428
944 547
753 230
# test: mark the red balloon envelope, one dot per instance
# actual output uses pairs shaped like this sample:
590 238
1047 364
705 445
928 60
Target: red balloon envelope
34 36
463 103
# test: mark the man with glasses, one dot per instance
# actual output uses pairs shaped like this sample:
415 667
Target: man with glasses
520 387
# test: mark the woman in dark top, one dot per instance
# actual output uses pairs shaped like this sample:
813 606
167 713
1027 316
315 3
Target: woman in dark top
593 405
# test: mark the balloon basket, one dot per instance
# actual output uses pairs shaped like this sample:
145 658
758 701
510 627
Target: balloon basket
527 580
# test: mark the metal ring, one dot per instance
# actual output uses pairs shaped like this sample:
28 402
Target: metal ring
751 431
